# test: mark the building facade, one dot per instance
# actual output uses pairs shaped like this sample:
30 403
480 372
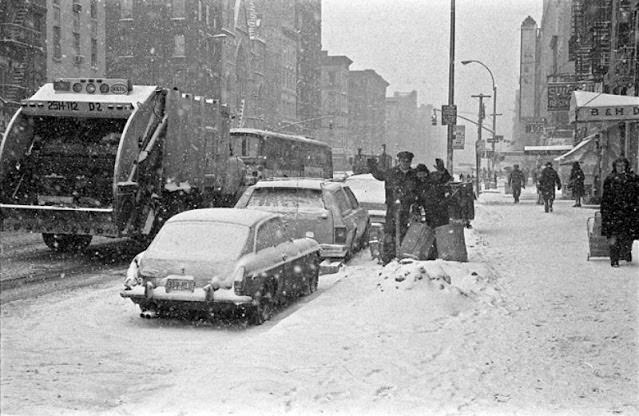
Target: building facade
334 128
366 110
23 53
76 30
309 69
401 122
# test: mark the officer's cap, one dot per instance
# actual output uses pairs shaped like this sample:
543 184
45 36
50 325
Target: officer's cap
405 155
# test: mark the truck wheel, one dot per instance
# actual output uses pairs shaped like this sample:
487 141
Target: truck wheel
263 308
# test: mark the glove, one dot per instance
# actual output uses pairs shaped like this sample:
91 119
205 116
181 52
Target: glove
371 162
559 188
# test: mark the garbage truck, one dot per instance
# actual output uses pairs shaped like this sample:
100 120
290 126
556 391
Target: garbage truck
88 157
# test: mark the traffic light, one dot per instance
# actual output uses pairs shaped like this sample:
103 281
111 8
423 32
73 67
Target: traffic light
482 111
433 118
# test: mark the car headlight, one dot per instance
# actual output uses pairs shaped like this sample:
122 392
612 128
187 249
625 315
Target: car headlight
239 283
132 274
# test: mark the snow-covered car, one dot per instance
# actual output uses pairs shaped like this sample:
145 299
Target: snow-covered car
372 196
219 259
326 208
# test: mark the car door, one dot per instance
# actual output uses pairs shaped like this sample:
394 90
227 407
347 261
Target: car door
347 214
359 214
270 253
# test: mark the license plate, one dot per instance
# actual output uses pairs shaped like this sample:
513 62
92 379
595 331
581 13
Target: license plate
179 285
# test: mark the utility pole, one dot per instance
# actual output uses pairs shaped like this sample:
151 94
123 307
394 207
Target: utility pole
451 88
480 117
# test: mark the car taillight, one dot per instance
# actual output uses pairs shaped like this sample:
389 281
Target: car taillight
239 282
340 235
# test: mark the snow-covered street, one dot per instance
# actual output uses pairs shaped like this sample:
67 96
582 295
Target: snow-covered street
528 326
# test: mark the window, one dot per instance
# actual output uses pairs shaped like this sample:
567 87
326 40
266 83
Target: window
331 78
56 15
94 9
270 234
126 43
94 53
76 43
178 46
177 9
76 21
351 198
342 202
126 9
57 47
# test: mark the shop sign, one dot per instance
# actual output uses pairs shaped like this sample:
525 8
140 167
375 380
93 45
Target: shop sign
559 95
459 137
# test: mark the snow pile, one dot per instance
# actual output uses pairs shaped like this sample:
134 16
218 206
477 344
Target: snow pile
368 343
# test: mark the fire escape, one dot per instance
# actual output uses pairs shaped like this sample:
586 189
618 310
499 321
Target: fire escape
21 44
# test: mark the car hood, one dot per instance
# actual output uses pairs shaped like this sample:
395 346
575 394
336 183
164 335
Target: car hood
203 271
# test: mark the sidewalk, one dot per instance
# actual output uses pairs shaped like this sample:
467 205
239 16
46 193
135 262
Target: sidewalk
574 321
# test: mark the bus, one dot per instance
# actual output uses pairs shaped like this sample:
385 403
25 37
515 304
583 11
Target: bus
269 154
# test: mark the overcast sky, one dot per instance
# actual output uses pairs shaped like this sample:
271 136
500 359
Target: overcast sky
407 43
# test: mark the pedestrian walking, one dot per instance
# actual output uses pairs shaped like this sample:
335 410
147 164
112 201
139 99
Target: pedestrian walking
516 181
399 184
576 183
536 175
620 211
547 181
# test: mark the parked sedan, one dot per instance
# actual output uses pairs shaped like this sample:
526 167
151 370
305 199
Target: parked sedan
371 195
215 259
326 208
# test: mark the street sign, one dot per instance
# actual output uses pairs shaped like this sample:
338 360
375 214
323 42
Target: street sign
498 138
449 114
459 138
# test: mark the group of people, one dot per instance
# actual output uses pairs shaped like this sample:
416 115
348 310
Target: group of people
546 180
407 188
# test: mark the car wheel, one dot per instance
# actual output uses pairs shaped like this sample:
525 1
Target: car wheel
312 277
262 310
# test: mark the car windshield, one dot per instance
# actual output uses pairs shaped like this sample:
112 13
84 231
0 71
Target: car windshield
286 198
198 240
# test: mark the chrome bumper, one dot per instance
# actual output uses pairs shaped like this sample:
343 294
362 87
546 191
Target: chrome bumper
333 250
142 293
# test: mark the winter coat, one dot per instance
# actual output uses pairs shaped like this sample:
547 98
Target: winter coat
576 181
431 194
397 185
620 204
547 181
517 178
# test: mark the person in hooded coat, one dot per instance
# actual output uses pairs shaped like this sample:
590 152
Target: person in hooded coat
620 211
576 183
547 181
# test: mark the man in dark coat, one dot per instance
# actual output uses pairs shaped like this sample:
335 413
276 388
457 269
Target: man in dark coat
399 184
547 181
576 183
516 180
620 211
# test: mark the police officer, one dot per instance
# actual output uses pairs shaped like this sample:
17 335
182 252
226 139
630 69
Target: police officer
399 184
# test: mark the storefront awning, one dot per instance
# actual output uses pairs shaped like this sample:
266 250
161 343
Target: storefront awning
579 152
588 106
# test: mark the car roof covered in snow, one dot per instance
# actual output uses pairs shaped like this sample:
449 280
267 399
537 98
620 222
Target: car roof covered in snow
228 215
301 183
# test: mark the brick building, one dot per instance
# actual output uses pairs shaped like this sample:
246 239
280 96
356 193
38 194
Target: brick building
366 110
334 128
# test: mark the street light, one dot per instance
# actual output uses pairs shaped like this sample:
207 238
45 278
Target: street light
494 113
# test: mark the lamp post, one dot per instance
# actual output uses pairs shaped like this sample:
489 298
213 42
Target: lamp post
491 167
